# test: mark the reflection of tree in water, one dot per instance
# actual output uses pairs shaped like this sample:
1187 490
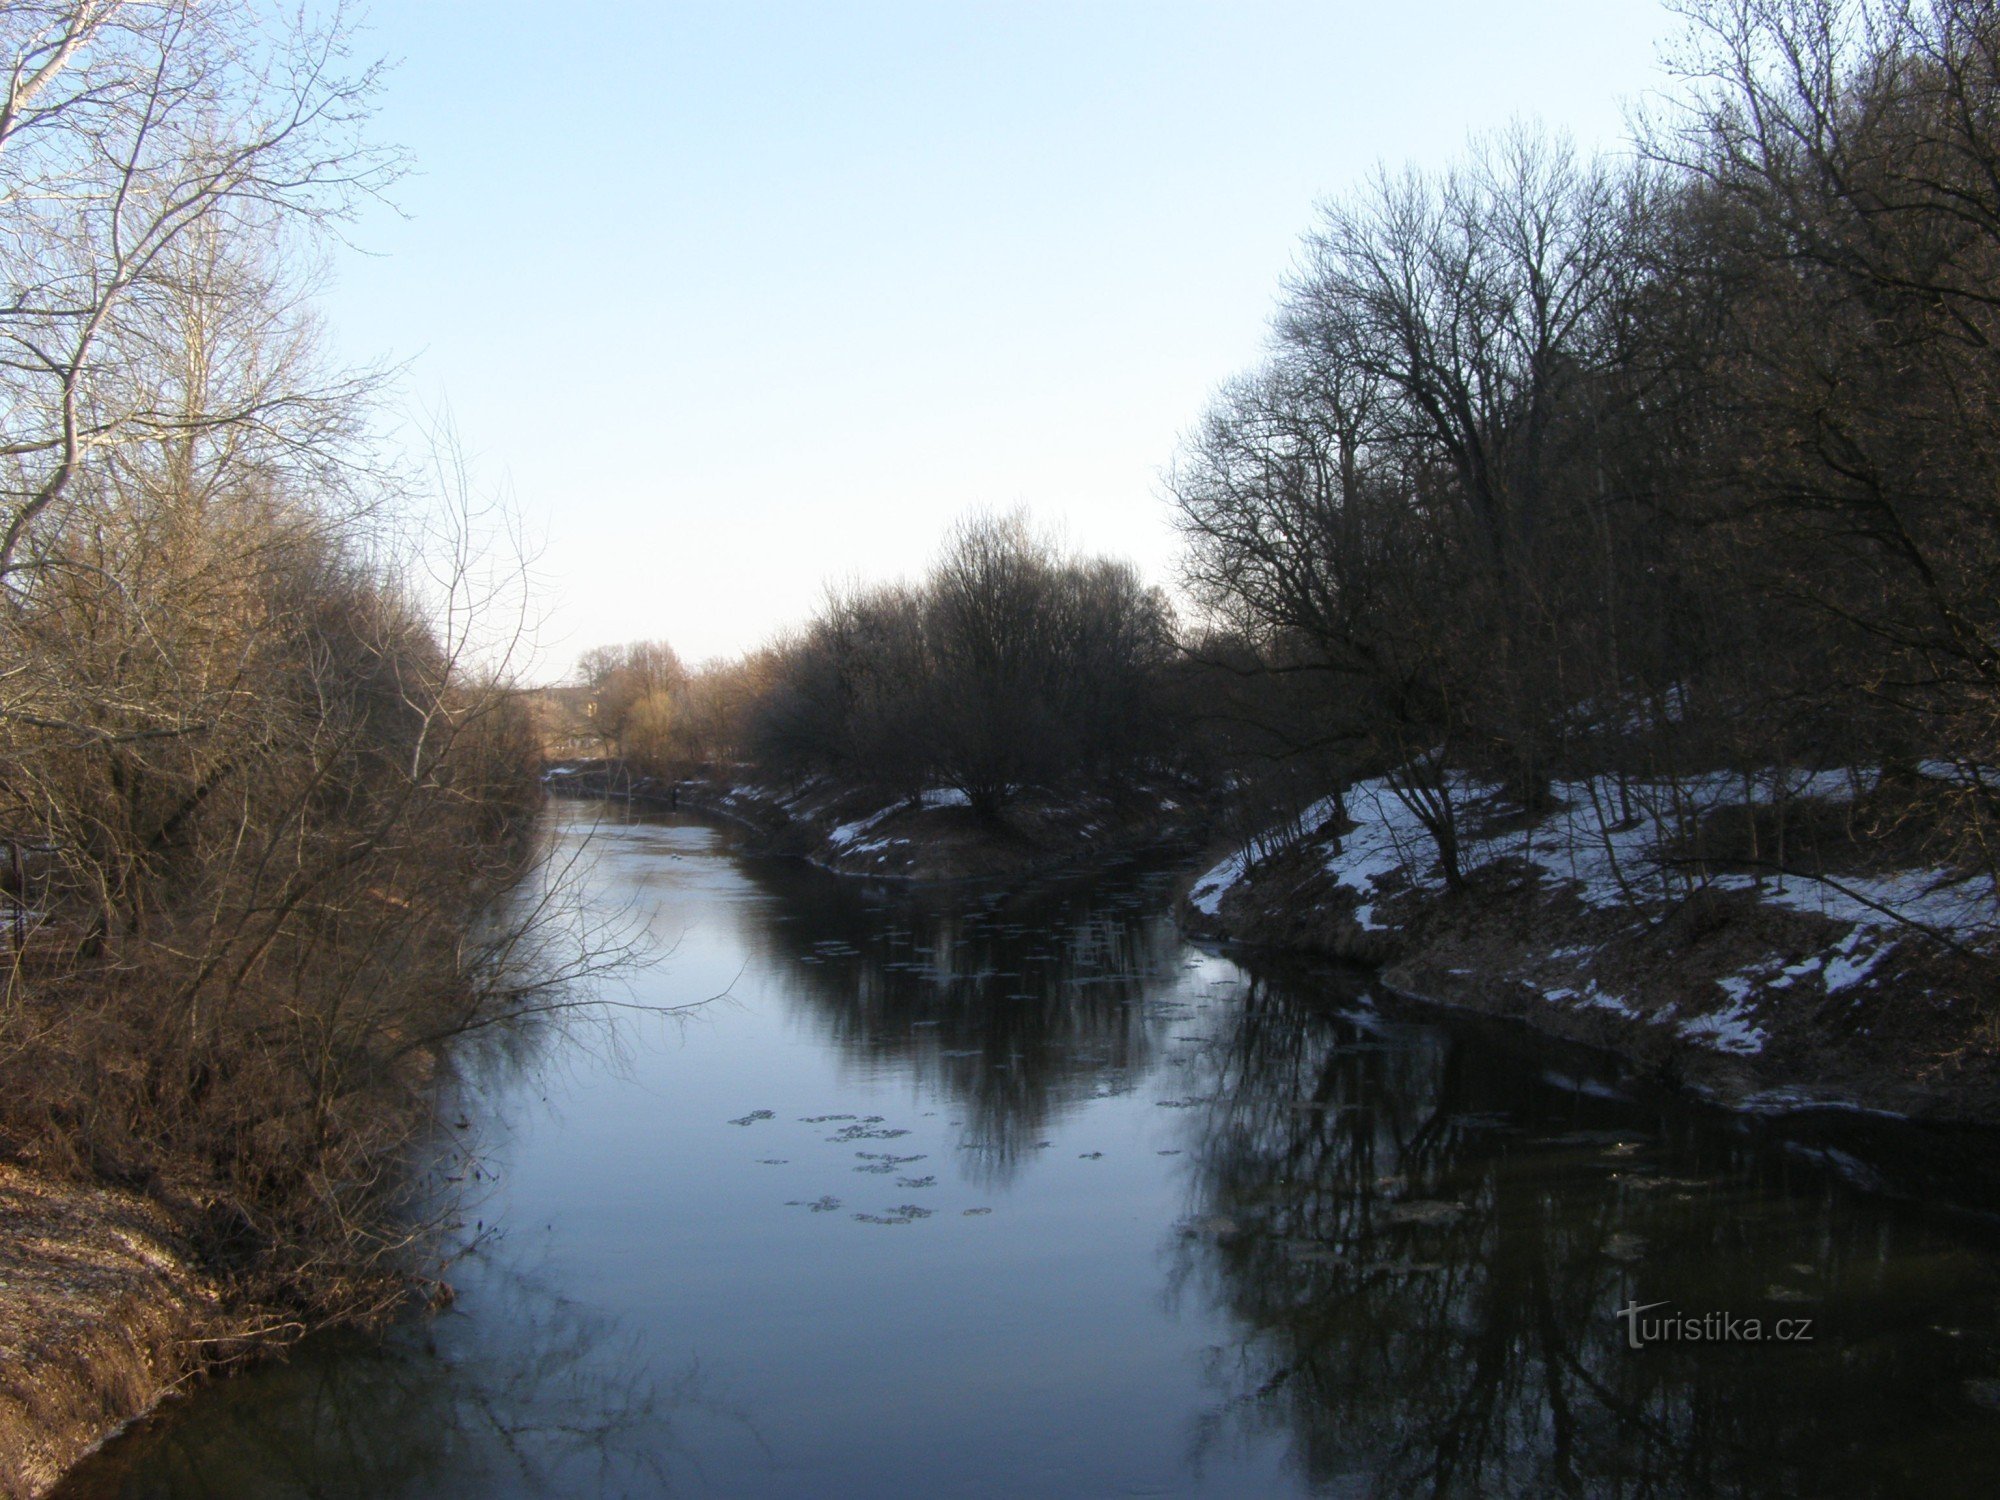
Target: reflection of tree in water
1425 1244
1012 1004
565 1405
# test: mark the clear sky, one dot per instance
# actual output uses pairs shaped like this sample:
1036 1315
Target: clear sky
738 298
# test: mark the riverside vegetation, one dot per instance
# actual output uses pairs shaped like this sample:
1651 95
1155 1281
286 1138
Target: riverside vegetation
254 798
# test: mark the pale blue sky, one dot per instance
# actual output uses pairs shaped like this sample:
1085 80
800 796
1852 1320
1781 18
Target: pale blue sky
740 297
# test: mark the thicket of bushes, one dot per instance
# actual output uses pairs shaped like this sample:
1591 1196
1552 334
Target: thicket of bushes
639 703
252 800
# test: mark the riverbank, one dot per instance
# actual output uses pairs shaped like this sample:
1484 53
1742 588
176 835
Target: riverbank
280 1212
103 1312
1860 987
933 836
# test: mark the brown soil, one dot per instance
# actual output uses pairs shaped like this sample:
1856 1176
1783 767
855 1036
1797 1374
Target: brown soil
101 1315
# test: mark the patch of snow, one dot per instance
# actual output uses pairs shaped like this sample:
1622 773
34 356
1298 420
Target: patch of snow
874 846
1847 967
1591 997
1792 973
847 833
1962 906
1616 862
1727 1030
1387 839
1598 999
945 796
1607 843
1207 893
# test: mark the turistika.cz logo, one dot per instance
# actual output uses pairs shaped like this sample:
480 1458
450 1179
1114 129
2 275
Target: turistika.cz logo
1707 1328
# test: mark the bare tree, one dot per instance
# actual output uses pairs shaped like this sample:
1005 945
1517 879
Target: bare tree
127 130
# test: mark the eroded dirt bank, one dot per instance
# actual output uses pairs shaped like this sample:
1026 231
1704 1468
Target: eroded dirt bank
1867 988
102 1313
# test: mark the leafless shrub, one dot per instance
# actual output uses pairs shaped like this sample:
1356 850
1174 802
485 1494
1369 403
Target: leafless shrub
262 773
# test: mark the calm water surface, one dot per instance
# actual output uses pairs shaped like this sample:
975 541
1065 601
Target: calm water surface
1019 1195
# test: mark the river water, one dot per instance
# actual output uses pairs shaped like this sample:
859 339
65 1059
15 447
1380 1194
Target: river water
1017 1194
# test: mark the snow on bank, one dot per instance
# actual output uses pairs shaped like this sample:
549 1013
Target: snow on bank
1207 893
849 833
1730 1029
1609 845
1959 907
1590 997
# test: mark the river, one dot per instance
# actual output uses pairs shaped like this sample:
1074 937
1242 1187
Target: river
985 1193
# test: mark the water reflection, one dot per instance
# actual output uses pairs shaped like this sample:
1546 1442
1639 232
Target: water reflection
569 1404
1016 1005
1424 1243
1236 1232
